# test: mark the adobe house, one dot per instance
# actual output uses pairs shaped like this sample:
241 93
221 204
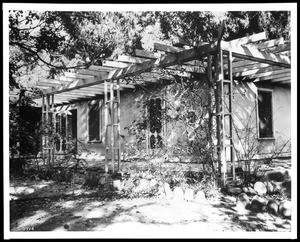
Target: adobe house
246 83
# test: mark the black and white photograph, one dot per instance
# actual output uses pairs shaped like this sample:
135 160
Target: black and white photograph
150 120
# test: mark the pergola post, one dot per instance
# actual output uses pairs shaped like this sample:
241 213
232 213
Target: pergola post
119 123
54 128
112 114
232 157
106 125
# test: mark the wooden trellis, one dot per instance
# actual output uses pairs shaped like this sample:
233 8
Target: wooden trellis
251 58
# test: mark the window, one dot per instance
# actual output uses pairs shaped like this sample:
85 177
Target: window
95 121
155 123
265 114
66 127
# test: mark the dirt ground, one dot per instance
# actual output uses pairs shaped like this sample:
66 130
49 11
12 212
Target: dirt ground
56 207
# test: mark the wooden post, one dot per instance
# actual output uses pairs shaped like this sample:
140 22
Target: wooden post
222 123
106 125
119 123
48 123
218 109
232 158
112 125
54 129
43 123
147 132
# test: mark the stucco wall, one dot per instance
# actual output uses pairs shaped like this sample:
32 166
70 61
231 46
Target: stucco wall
244 109
245 123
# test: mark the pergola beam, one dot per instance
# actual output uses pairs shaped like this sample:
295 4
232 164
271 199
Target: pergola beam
248 39
273 77
186 55
250 53
270 74
257 71
267 44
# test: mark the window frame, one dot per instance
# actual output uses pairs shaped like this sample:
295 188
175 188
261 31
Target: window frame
162 121
100 104
260 89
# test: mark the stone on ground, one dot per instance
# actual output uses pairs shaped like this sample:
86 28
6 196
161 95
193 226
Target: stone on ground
270 188
242 201
189 194
260 188
178 194
285 209
168 190
257 204
153 182
234 190
143 185
200 197
251 191
272 206
117 185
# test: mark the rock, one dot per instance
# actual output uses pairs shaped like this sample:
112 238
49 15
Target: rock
189 194
242 203
66 226
168 190
234 190
149 176
272 206
261 216
117 185
260 188
251 191
243 200
143 185
245 189
178 194
285 209
270 188
200 197
257 204
153 183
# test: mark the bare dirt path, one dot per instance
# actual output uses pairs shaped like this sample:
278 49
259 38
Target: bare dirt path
49 206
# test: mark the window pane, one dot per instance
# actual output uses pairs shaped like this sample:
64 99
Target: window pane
265 114
94 122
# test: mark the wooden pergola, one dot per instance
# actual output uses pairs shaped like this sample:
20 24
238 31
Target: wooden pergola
251 58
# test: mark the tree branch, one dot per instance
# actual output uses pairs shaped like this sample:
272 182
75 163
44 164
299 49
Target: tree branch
34 53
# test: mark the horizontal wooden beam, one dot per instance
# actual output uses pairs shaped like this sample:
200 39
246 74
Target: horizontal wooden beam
258 70
131 70
186 55
272 76
46 84
131 59
286 78
146 54
91 72
253 54
251 66
269 73
101 68
167 48
101 75
267 44
279 49
115 64
248 39
187 68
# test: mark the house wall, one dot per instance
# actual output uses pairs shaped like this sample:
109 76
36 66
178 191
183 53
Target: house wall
245 125
245 117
